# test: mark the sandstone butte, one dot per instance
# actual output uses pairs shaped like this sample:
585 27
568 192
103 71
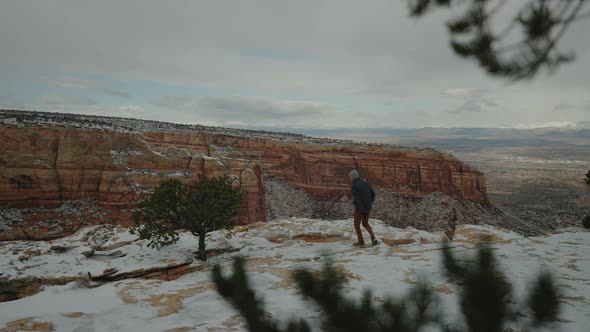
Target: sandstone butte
43 167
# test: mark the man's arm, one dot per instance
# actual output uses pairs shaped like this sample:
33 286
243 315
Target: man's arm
372 193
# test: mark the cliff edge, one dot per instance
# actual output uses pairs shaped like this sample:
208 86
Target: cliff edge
61 171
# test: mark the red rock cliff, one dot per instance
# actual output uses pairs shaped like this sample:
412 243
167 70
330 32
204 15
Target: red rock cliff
44 167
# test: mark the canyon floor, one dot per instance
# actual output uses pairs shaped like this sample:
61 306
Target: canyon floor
116 283
535 175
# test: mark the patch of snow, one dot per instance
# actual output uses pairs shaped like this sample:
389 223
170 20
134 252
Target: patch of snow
206 157
42 162
157 153
120 156
463 232
142 172
9 217
125 152
500 159
273 250
130 126
177 174
555 124
10 121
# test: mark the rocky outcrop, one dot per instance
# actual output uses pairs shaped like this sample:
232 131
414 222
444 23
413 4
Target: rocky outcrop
101 254
12 289
100 173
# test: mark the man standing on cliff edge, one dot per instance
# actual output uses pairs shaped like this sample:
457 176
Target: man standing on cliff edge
363 197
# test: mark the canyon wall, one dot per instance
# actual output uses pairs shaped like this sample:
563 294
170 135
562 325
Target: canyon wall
56 177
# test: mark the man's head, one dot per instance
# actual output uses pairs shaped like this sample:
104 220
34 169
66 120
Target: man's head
353 175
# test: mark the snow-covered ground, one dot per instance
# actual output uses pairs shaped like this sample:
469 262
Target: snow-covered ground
130 125
272 251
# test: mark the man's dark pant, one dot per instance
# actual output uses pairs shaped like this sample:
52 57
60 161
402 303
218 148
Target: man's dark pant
364 218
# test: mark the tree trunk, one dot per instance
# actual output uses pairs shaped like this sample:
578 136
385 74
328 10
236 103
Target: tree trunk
202 255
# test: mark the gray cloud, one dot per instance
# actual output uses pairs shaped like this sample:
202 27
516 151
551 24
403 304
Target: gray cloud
128 111
468 106
260 106
244 109
307 49
177 102
567 106
460 92
490 103
563 106
71 82
114 92
345 46
472 100
57 100
68 82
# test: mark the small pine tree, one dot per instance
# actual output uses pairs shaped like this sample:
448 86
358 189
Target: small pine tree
200 208
485 297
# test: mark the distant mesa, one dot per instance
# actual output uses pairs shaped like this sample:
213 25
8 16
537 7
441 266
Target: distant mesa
59 172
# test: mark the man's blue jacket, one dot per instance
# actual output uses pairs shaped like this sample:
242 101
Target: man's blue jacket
363 195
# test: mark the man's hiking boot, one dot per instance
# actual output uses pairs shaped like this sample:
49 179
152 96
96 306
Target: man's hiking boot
374 242
359 244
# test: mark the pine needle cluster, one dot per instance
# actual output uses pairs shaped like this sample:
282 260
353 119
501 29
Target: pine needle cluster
484 294
537 26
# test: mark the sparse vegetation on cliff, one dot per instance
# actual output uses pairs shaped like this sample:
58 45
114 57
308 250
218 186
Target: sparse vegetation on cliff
485 298
201 207
119 124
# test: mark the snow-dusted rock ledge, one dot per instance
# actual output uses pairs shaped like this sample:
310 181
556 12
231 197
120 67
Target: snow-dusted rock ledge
127 292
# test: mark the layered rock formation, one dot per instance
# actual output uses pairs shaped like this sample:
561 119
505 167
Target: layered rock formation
101 167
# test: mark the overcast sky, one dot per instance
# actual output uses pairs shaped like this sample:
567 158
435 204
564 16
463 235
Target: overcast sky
269 63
